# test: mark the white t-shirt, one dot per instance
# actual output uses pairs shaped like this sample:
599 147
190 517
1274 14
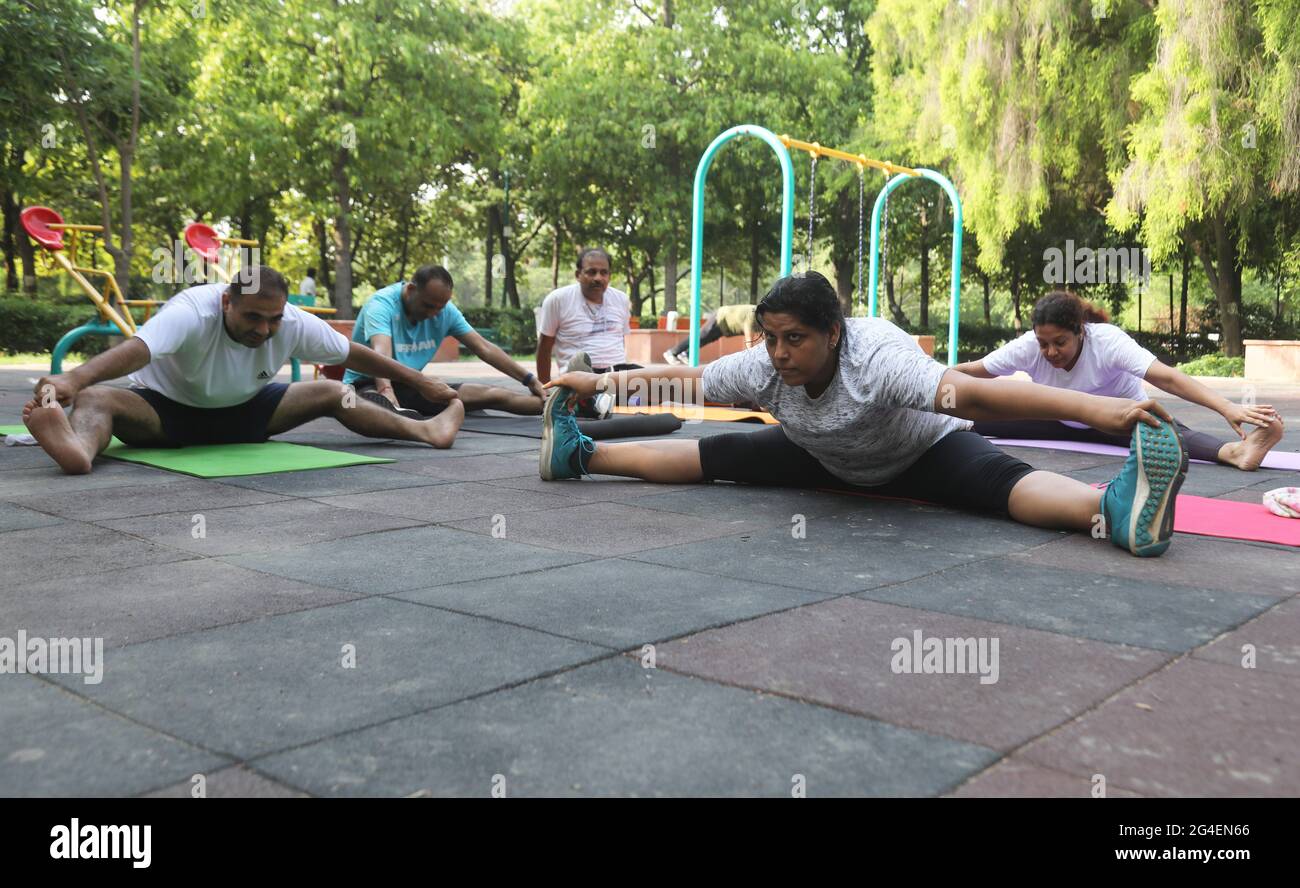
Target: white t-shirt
194 361
1110 363
307 287
874 420
579 325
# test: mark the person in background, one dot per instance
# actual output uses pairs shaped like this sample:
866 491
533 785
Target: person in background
728 320
308 285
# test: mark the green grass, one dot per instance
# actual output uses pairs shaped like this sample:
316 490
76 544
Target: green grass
1215 365
33 358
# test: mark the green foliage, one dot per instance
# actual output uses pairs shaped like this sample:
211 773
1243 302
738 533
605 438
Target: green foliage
516 328
1215 365
28 326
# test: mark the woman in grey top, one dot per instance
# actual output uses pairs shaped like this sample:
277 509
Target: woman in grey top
863 408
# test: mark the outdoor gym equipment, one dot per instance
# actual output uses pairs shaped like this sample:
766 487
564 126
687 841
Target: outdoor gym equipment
206 244
47 228
781 145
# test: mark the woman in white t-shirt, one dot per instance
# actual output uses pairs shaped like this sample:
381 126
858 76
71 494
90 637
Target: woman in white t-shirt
1072 347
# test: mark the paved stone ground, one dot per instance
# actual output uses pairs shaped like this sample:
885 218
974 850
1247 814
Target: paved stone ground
524 656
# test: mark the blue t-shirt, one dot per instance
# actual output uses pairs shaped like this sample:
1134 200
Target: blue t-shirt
414 345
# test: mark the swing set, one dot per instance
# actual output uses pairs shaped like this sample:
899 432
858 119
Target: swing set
782 145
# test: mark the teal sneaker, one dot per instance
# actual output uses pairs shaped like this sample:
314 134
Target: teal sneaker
565 450
1138 505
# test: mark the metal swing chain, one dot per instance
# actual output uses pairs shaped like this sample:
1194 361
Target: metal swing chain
862 176
812 213
884 240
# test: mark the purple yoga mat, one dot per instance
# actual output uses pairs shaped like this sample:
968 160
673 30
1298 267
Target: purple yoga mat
1275 459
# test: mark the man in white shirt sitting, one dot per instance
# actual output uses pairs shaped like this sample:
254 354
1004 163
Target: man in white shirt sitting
308 285
588 318
202 372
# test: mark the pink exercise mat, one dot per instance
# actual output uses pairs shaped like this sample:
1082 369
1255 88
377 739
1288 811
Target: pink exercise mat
1234 521
1275 459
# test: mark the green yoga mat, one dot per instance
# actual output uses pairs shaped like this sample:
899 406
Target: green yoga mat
228 460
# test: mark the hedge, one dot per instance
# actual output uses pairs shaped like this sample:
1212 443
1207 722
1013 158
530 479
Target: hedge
28 326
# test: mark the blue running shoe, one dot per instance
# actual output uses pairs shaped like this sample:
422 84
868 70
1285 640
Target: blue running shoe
565 450
1138 505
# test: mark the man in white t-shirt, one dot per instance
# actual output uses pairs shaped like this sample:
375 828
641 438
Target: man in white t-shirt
588 316
308 285
202 372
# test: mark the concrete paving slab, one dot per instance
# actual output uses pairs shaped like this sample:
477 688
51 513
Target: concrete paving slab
485 467
1201 562
396 560
15 517
724 501
266 684
73 549
615 729
189 495
1273 637
602 528
331 482
449 502
152 601
48 480
845 654
1141 613
1194 729
618 603
1013 778
53 744
837 556
593 489
247 529
234 782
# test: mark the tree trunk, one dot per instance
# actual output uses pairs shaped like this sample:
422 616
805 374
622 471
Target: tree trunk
1182 303
670 274
984 279
925 267
343 237
844 268
323 251
895 309
10 236
755 257
489 256
510 287
1015 297
555 257
1223 269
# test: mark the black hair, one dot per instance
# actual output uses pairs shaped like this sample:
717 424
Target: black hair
259 280
584 253
311 272
426 273
1066 310
810 298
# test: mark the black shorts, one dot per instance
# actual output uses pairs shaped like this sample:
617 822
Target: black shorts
408 397
241 424
962 469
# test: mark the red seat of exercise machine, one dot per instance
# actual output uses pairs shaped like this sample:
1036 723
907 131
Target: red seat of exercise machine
203 239
37 221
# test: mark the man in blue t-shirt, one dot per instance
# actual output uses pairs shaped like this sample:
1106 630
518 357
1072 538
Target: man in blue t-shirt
407 321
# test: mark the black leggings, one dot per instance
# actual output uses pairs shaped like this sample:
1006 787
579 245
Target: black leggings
962 469
708 333
1198 444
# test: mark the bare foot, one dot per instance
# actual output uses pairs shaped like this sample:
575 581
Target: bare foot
50 427
1248 454
441 430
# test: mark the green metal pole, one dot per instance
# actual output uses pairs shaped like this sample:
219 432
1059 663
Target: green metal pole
954 310
697 217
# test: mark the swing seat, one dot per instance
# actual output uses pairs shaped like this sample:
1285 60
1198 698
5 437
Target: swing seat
37 221
203 240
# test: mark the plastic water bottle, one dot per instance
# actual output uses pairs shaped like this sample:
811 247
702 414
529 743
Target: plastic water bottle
671 323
